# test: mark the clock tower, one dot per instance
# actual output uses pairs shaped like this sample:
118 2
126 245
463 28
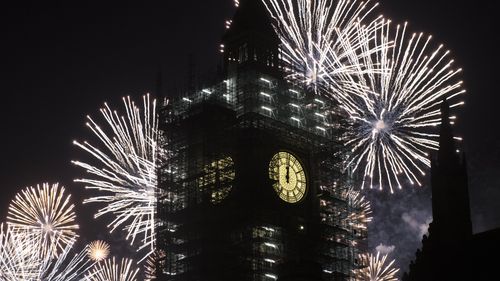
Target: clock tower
252 185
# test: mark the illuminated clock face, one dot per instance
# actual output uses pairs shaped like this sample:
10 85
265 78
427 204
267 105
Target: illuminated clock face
289 175
218 179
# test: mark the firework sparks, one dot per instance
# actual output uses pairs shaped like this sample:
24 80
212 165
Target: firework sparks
98 250
17 261
152 263
109 270
394 117
45 211
375 269
360 213
126 174
65 268
320 38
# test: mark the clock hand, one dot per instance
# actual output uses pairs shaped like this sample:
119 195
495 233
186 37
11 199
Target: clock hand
287 174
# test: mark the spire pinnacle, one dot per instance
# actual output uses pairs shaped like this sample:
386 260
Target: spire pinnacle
447 149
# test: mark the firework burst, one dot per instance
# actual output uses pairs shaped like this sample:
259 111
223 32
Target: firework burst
45 211
393 118
110 270
125 173
17 260
98 250
360 210
152 263
319 39
375 269
66 267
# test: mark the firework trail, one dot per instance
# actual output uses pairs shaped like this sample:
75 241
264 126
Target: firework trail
319 39
98 250
392 123
110 270
125 174
151 264
375 269
45 211
17 260
360 210
65 267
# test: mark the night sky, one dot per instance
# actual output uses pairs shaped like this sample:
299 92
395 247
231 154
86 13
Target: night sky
60 61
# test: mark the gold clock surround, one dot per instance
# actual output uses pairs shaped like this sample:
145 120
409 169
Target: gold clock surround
290 177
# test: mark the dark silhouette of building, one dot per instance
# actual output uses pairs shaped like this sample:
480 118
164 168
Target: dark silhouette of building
450 251
252 184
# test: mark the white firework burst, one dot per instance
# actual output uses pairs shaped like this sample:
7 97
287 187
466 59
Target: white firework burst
319 38
124 171
110 270
46 212
152 262
66 267
360 210
393 122
375 269
98 250
18 261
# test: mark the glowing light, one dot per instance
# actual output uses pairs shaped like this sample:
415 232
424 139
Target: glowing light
18 262
267 108
66 266
23 258
110 270
394 109
271 245
359 210
218 179
152 263
98 250
46 212
320 38
375 269
271 276
265 80
265 95
124 175
319 101
270 229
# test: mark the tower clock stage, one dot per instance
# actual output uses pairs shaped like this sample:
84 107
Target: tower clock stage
252 185
289 175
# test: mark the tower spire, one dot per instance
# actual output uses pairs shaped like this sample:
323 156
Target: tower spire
447 148
250 41
160 91
450 194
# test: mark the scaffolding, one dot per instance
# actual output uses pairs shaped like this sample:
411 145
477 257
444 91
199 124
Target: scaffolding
206 135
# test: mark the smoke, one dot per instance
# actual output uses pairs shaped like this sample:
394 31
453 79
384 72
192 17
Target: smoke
418 221
384 249
399 222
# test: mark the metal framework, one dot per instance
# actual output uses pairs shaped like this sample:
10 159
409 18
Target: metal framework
202 234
